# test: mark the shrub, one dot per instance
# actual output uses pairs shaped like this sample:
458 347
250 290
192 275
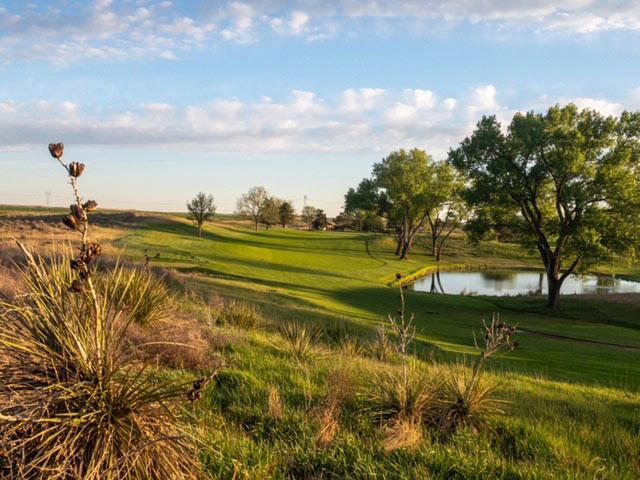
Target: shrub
467 397
143 295
392 397
72 404
241 314
463 404
301 341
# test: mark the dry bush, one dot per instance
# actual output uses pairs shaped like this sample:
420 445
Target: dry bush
466 397
380 346
73 404
241 314
180 341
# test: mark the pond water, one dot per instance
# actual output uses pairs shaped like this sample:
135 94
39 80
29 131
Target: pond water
517 282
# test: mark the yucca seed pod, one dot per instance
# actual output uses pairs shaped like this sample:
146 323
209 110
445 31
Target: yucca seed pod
77 211
70 221
76 169
78 264
90 205
56 149
90 252
76 286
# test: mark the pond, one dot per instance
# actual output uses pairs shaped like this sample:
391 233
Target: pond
517 282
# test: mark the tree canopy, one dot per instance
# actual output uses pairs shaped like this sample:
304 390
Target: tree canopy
287 214
308 215
251 204
567 182
200 209
407 178
271 211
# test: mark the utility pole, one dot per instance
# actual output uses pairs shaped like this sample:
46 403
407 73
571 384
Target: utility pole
48 195
305 201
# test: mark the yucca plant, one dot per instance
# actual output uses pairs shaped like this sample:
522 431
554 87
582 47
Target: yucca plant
394 396
144 296
467 398
460 405
299 340
72 403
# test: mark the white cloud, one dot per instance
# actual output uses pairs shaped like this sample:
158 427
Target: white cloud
365 119
605 107
483 99
296 25
421 99
449 103
360 100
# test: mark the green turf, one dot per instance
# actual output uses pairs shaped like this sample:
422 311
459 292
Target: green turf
347 275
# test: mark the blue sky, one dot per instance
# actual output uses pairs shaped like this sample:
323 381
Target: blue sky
164 99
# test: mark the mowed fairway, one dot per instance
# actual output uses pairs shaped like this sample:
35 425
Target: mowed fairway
325 275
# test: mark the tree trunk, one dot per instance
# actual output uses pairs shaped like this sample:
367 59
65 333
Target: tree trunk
200 230
406 247
398 240
256 226
553 284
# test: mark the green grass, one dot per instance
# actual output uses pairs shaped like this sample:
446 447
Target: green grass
571 408
335 274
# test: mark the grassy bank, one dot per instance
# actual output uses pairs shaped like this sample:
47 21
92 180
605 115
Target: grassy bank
570 405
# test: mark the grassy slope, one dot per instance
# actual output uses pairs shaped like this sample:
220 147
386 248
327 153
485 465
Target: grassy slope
345 275
572 408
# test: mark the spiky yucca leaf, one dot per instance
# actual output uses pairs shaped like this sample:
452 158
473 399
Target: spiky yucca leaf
72 405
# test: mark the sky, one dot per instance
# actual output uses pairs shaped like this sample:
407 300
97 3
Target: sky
164 99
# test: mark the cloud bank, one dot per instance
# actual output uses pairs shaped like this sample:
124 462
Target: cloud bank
121 30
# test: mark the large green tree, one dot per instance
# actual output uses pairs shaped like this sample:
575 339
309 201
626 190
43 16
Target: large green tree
568 182
448 208
201 208
406 177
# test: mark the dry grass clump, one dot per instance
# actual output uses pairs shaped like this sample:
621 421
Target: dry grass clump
276 404
241 315
413 399
401 433
462 404
341 389
180 341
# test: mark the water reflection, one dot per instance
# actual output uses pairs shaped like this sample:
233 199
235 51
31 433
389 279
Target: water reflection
517 282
